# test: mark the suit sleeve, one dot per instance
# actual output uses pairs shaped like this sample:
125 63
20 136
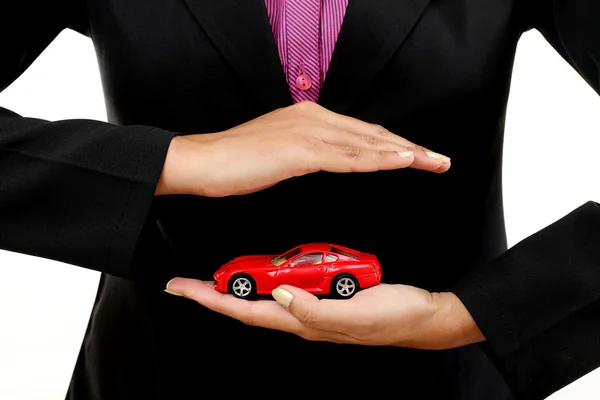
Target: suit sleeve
538 305
74 191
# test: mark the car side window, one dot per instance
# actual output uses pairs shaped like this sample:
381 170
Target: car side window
308 259
329 258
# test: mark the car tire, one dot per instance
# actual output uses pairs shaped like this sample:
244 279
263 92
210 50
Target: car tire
242 286
344 286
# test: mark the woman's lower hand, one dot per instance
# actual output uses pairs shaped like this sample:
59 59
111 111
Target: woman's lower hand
285 143
384 315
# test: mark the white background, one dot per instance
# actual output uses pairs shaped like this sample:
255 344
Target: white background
550 168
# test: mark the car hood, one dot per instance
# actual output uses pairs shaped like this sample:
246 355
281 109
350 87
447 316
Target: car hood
247 262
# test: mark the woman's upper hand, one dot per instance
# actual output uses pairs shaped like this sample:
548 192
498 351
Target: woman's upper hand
384 315
285 143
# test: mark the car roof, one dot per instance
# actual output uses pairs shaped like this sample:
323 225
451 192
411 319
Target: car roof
325 247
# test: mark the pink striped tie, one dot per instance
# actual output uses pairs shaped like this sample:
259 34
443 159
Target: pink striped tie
304 58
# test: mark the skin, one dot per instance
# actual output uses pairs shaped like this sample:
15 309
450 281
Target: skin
295 141
288 142
384 315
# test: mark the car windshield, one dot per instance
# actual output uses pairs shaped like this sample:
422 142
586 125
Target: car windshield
278 260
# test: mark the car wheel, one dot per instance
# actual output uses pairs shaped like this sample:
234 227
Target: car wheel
344 286
242 286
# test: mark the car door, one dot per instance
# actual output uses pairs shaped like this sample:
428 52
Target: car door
304 271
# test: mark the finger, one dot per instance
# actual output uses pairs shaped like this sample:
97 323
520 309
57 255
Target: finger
355 159
428 160
351 139
443 168
351 124
327 315
266 313
425 159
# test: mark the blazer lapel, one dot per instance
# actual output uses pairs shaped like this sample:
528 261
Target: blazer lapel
240 29
371 33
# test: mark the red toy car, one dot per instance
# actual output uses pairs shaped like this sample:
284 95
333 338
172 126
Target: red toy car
318 268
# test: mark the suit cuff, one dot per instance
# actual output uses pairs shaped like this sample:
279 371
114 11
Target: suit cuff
134 218
535 305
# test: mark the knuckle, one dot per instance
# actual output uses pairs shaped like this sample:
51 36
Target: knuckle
353 153
416 147
380 130
371 141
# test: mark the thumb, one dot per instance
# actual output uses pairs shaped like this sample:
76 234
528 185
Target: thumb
301 304
286 295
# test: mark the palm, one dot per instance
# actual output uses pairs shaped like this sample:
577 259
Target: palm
397 305
406 297
383 315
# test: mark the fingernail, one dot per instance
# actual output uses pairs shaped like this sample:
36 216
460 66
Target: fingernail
405 154
433 155
171 291
445 159
283 297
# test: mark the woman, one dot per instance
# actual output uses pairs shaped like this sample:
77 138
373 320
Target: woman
215 148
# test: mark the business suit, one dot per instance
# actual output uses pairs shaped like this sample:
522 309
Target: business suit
435 72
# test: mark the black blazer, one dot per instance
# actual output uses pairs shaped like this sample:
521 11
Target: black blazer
436 72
